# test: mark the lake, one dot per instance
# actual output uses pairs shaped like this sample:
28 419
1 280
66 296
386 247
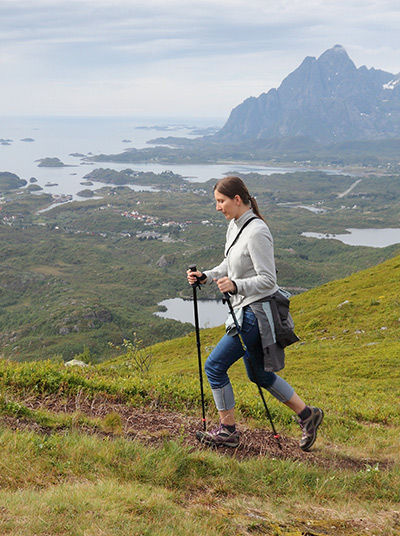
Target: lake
374 238
211 312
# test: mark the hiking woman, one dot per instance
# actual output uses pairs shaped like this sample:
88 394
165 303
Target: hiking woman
248 274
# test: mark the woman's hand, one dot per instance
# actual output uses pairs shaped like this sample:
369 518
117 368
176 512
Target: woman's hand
192 277
226 285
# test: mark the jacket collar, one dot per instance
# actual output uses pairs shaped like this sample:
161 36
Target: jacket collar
244 217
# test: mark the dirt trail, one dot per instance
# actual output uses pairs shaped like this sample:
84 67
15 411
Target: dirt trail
155 426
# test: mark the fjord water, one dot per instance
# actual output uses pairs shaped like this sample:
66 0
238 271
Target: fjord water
211 312
60 137
374 238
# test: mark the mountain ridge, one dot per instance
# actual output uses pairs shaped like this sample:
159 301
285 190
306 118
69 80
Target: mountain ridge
327 99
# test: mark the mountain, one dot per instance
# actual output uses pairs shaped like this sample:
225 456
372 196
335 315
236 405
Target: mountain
325 99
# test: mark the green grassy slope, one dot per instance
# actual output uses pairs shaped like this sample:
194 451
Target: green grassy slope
71 278
348 360
67 469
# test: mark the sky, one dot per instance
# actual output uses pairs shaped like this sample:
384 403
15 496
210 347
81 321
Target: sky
175 58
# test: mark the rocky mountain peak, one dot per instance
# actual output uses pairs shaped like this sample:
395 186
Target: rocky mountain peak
336 58
326 99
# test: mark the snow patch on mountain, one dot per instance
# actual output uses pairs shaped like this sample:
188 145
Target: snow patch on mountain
392 84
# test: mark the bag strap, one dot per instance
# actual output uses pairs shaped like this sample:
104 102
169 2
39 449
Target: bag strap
239 233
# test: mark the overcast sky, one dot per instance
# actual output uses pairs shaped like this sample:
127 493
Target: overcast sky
176 58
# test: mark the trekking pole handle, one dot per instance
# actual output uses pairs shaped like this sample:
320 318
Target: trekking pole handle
193 268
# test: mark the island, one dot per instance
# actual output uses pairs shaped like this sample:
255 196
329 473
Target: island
50 162
129 176
10 181
34 188
207 131
155 127
27 139
86 193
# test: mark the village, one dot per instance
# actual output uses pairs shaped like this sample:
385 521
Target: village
171 227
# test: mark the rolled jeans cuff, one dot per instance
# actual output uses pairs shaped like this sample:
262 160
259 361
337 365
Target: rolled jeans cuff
223 397
281 389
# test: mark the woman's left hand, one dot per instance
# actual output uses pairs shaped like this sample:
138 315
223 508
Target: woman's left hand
225 285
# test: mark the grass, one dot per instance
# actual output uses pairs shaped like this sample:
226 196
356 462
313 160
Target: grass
76 483
70 279
70 473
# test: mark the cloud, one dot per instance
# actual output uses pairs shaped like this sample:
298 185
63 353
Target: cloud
180 49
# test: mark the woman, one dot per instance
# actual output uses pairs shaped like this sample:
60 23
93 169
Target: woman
248 274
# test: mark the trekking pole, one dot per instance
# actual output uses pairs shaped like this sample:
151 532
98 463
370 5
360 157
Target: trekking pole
247 356
196 322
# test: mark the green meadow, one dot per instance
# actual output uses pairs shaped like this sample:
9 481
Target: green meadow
81 275
108 449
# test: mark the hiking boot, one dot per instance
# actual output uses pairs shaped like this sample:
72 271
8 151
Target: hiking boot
310 427
219 437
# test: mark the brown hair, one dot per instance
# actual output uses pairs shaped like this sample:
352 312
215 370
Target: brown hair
231 186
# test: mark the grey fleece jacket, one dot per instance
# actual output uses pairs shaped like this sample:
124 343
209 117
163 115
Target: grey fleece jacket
250 262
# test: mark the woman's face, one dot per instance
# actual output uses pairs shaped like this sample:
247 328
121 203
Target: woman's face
230 208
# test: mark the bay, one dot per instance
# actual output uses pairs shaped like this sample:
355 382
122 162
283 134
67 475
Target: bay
375 238
212 313
61 137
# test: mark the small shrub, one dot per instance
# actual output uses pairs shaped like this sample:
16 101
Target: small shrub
140 358
85 356
112 423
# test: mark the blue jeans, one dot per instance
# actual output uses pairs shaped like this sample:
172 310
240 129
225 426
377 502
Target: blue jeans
228 351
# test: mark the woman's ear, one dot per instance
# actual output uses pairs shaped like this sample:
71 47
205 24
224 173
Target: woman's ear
238 199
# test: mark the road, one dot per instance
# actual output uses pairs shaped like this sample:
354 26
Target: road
343 194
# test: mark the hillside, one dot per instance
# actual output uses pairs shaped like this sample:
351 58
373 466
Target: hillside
80 275
10 181
77 276
109 449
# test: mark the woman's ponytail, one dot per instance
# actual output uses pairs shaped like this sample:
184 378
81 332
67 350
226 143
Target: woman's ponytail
255 208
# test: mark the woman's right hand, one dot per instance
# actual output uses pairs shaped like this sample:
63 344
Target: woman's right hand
192 277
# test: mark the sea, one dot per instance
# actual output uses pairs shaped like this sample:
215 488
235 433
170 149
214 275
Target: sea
26 140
